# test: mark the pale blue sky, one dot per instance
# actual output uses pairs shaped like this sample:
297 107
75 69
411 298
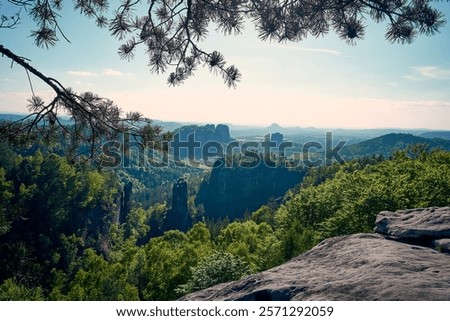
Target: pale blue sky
317 82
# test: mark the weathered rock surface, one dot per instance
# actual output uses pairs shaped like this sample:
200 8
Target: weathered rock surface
442 245
427 223
356 267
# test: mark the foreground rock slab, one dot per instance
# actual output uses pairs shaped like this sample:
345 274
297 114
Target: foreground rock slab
419 223
356 267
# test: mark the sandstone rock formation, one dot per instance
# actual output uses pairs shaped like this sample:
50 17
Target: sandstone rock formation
357 267
420 224
223 133
231 191
277 138
209 137
125 206
177 218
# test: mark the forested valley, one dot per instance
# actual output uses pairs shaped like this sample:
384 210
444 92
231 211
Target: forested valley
67 232
75 225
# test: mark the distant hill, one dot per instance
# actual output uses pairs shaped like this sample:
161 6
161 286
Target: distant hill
274 127
15 117
437 134
11 117
385 145
302 135
168 125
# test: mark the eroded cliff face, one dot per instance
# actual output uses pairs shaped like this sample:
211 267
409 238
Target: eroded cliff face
231 191
177 218
404 260
193 142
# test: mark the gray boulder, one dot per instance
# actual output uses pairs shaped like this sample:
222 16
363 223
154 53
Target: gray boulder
356 267
421 223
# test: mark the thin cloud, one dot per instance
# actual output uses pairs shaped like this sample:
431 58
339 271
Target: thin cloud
83 84
426 103
429 72
319 50
82 73
411 77
111 72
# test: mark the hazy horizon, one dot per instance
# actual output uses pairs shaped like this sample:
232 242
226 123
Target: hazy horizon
322 83
260 125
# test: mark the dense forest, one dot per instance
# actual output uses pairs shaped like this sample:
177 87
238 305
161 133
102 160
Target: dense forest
62 238
385 145
73 230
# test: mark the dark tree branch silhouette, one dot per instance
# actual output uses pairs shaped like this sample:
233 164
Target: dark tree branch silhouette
92 118
171 32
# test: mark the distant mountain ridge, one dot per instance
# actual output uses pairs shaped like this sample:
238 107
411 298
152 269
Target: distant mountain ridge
65 120
295 133
11 117
385 145
445 134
